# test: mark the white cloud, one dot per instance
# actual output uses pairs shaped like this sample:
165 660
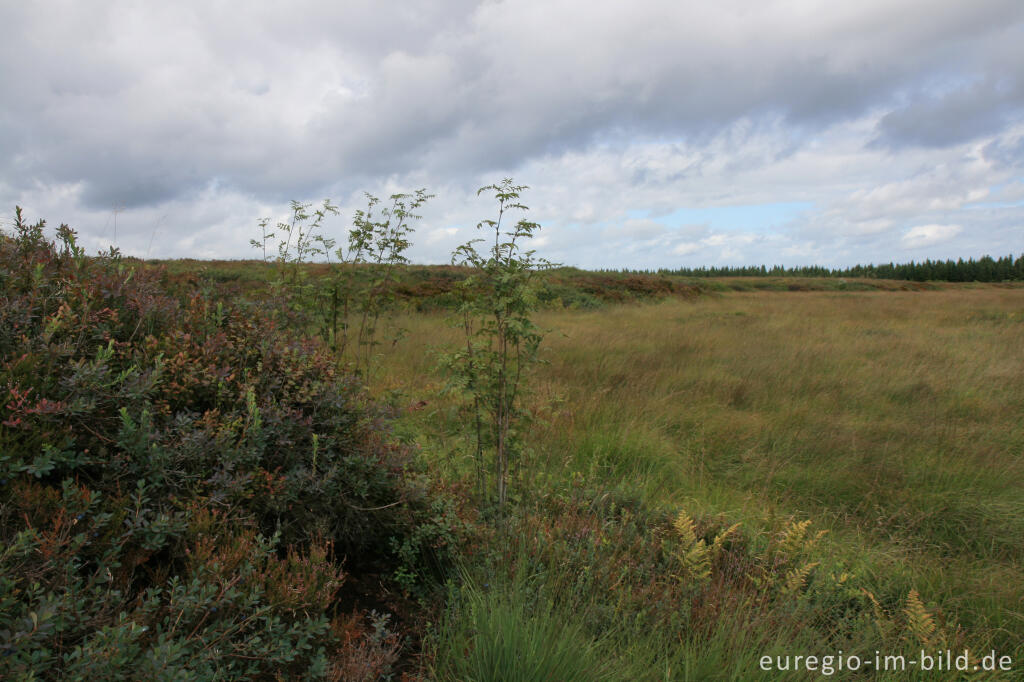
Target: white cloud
686 248
441 234
639 229
927 235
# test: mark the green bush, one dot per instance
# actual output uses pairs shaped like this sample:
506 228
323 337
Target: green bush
182 481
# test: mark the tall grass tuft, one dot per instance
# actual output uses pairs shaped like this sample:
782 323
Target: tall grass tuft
507 632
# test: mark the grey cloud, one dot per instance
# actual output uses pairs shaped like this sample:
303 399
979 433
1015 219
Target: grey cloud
1006 151
153 105
964 114
493 98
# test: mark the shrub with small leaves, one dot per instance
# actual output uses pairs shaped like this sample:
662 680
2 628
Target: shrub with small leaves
501 342
186 488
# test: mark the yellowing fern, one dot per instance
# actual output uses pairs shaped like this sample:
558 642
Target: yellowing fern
697 562
694 555
686 528
795 539
796 579
718 545
882 621
920 623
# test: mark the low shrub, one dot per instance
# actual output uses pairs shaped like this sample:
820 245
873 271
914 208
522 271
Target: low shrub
187 490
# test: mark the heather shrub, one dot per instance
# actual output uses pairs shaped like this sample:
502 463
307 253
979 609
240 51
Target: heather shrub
187 489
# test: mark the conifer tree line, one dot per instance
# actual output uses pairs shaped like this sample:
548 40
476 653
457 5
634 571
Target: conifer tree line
984 269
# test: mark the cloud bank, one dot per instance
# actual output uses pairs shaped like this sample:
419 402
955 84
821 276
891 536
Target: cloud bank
670 134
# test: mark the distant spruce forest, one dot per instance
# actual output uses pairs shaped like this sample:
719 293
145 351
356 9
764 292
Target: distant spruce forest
985 269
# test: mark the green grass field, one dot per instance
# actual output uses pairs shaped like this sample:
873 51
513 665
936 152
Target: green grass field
893 420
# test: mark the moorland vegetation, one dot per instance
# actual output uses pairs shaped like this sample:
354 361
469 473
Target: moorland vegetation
494 470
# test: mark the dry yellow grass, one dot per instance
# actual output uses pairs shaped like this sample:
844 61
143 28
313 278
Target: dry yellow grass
894 419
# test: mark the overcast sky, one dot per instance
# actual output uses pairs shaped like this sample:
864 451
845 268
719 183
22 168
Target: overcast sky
652 133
